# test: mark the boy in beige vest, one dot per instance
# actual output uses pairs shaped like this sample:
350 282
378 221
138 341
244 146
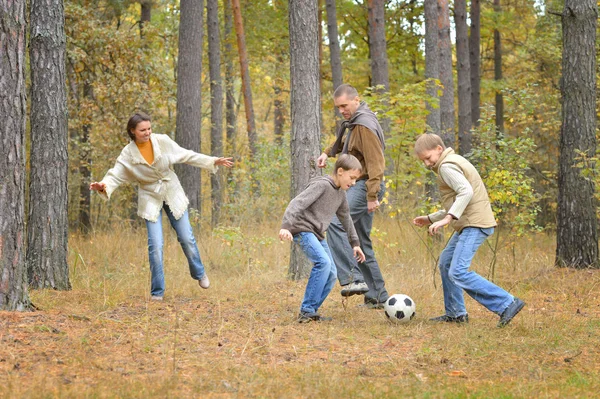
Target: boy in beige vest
467 209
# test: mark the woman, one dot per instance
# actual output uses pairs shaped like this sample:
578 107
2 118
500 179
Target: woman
148 161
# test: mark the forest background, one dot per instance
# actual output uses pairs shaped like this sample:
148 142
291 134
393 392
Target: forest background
122 57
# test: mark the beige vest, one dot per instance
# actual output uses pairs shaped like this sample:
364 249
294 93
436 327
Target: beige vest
479 211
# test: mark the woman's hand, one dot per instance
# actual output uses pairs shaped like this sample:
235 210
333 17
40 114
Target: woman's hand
95 186
227 162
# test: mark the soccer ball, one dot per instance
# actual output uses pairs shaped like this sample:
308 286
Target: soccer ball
400 308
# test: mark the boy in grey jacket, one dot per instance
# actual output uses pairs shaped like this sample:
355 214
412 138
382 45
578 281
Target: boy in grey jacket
305 221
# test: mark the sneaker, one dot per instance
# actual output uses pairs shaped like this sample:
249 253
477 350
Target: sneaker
510 312
204 282
449 319
356 288
307 317
156 298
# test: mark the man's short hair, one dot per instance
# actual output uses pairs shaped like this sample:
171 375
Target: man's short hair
345 90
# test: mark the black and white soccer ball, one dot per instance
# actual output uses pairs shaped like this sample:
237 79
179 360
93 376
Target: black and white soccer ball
400 308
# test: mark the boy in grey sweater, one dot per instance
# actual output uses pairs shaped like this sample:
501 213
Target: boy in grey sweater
305 221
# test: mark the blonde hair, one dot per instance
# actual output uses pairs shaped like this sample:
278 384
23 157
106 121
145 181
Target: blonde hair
347 162
428 141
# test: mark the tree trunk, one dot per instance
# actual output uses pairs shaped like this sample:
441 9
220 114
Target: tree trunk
305 107
446 78
246 88
498 74
189 101
13 111
474 56
85 174
216 103
334 46
463 68
576 233
378 51
432 67
145 15
279 111
47 231
230 110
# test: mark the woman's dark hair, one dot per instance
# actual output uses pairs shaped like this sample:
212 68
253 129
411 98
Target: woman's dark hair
133 122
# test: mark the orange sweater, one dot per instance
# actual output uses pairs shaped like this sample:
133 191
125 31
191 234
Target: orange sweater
146 151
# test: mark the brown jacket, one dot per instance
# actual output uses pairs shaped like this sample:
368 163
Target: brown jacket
366 147
479 211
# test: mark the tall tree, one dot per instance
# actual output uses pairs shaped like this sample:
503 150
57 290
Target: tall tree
378 50
48 219
189 101
463 67
13 111
305 107
474 56
85 164
498 71
246 87
432 67
446 78
334 45
576 233
145 14
230 105
216 102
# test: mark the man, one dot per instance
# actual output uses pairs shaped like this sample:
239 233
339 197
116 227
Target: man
365 141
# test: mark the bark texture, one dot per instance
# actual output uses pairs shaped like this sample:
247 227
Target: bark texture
432 66
305 107
463 68
47 231
474 55
13 108
446 78
576 234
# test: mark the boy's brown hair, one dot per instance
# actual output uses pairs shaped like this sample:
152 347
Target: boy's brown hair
428 141
347 162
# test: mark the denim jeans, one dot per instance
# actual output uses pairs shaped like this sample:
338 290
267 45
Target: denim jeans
348 268
455 261
323 274
185 236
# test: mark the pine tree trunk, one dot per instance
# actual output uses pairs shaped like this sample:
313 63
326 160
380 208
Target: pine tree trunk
463 67
47 227
305 107
13 111
576 233
216 103
498 74
334 45
189 101
474 55
378 51
246 87
446 78
145 14
230 109
432 66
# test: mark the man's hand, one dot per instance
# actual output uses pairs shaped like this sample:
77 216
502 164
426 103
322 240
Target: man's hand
372 206
285 234
433 229
322 160
359 254
421 221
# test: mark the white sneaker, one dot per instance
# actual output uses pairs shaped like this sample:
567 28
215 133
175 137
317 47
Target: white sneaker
156 298
204 282
356 288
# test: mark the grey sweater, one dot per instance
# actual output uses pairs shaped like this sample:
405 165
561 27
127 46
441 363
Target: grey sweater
312 210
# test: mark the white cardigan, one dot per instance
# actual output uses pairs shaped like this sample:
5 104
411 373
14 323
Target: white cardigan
157 183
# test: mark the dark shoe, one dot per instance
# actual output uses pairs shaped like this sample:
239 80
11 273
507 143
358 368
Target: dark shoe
356 288
449 319
369 304
510 312
307 317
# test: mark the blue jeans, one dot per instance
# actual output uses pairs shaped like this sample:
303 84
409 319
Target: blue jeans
455 261
348 268
323 274
185 236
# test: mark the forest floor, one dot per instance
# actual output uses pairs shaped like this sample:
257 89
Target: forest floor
240 338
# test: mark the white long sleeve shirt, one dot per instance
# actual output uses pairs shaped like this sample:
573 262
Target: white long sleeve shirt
158 182
455 178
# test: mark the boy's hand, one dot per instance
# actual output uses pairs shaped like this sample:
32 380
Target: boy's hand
433 229
421 221
285 235
359 254
95 186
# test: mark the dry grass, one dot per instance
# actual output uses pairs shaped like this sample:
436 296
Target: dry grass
105 339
